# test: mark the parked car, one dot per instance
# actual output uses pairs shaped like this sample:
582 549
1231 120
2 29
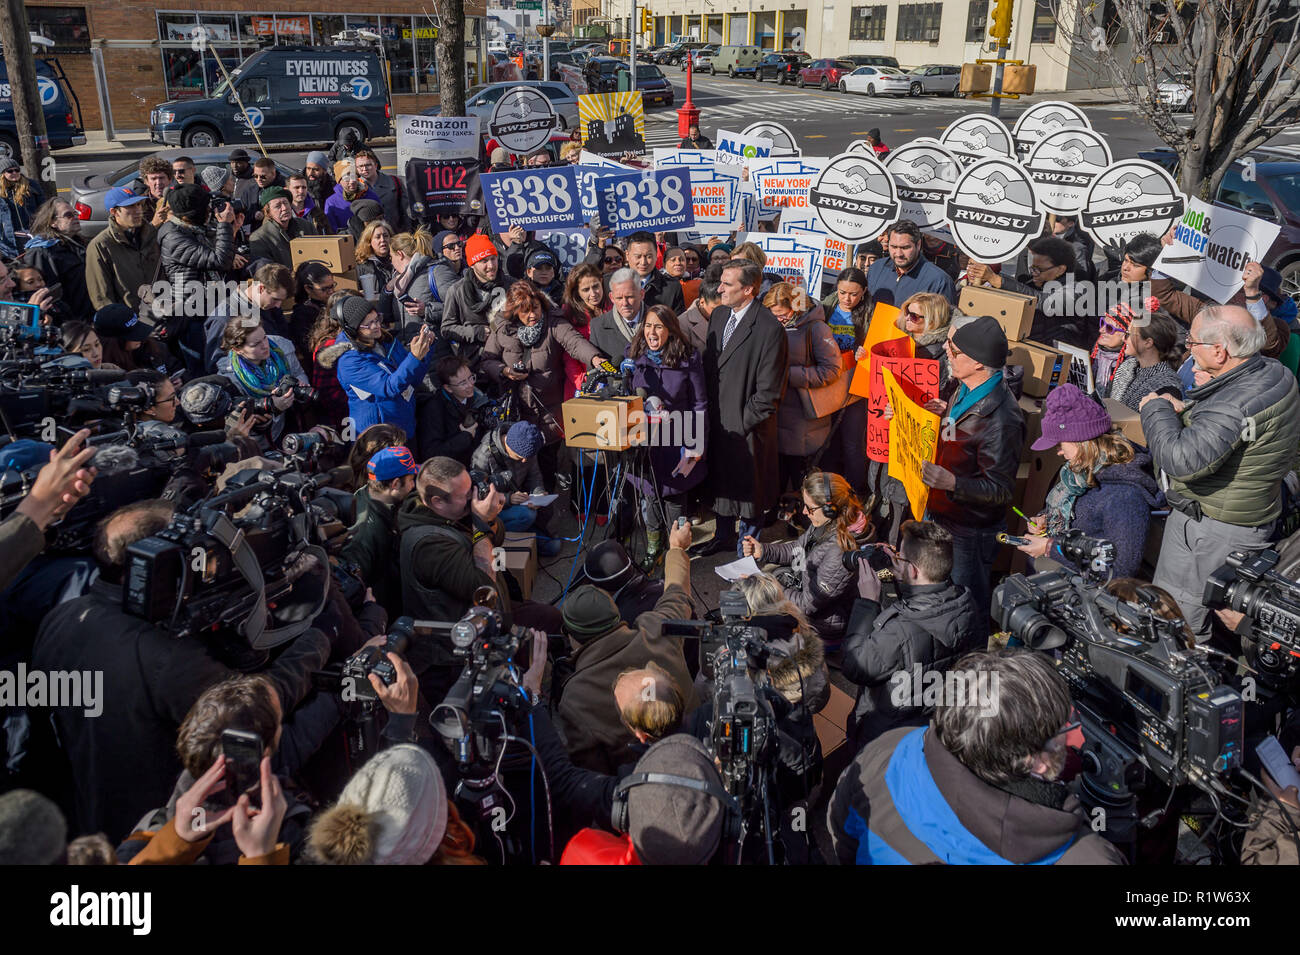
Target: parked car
735 60
481 100
654 86
872 59
782 67
934 78
1267 187
1175 90
868 79
892 82
701 58
60 123
87 192
824 73
675 54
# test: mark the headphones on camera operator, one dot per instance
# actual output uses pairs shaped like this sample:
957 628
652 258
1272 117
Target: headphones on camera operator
732 819
829 509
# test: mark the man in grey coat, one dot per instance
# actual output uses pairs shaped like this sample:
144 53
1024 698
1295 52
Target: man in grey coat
271 240
745 372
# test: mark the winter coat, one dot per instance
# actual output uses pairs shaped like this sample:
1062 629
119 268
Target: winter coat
1084 245
905 800
1270 840
1119 510
191 254
381 269
380 382
21 541
237 305
696 327
1064 311
272 242
338 210
983 455
372 546
414 284
587 715
226 367
814 362
333 403
1232 472
1132 382
930 626
393 198
544 361
662 289
439 417
685 397
27 209
612 335
745 383
118 264
62 259
826 590
491 457
1181 305
466 313
443 274
574 371
124 759
247 191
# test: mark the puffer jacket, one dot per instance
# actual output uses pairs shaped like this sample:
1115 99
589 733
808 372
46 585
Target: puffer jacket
191 254
1205 453
1119 509
466 313
983 455
379 382
930 626
491 456
544 361
826 590
814 362
63 259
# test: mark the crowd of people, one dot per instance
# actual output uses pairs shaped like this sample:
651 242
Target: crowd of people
444 375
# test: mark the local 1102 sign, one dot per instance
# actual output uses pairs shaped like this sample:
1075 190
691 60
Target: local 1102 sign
656 200
544 197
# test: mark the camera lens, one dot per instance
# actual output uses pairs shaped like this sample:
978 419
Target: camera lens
1033 629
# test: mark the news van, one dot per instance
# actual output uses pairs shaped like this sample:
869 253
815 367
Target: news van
290 94
60 124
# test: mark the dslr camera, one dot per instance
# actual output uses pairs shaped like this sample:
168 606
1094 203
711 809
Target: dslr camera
484 480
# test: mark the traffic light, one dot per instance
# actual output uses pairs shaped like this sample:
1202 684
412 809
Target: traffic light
1000 29
647 21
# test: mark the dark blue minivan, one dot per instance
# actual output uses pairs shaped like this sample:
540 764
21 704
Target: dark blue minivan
290 94
60 124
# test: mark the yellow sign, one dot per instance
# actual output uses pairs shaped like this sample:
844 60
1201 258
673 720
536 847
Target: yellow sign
612 123
883 327
913 439
421 33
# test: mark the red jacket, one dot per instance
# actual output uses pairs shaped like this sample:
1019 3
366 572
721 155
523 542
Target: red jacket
597 847
574 370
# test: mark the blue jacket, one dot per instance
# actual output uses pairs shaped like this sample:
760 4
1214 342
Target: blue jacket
380 384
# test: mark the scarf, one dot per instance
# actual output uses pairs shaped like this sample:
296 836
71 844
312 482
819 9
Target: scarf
259 380
655 355
1061 498
530 335
967 399
1105 363
354 194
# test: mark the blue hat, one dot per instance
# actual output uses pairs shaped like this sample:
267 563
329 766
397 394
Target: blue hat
120 196
24 454
524 438
391 463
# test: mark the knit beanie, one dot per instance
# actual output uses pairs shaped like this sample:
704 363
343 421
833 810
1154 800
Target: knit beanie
189 201
670 824
984 340
206 400
271 193
590 612
355 310
524 438
215 177
478 248
439 239
32 829
1070 415
392 812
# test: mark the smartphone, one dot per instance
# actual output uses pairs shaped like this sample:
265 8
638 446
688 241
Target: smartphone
1013 541
1275 759
55 290
243 752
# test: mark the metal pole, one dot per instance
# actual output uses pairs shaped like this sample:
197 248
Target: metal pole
631 47
995 102
101 89
546 42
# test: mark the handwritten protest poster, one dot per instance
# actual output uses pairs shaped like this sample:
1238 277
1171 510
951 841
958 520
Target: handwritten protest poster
919 377
883 327
912 441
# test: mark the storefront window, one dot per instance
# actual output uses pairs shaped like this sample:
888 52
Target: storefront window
325 27
426 63
400 50
66 26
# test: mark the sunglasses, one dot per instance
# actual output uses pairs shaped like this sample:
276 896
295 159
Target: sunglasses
915 316
1108 326
452 246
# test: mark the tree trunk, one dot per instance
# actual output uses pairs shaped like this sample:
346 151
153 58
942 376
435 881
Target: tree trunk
450 54
25 97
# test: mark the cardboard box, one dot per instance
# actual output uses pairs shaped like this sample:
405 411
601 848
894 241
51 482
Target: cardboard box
1045 367
1014 312
601 423
347 281
1128 420
335 251
1033 412
520 552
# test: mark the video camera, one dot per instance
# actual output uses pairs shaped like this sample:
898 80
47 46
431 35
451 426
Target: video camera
1148 700
1249 583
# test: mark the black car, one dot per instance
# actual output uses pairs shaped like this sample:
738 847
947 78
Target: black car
673 55
654 86
1266 184
782 67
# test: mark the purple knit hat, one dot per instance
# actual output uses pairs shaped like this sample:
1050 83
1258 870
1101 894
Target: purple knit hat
1070 415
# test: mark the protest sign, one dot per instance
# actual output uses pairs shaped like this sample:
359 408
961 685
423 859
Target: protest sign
436 137
612 124
913 440
782 184
919 377
667 156
737 149
1212 244
1063 164
925 174
543 197
783 141
569 245
1043 118
994 212
438 186
716 199
651 200
854 197
1130 197
977 136
883 328
796 257
522 120
836 256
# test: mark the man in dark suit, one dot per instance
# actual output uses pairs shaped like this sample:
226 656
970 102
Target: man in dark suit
613 331
656 287
745 372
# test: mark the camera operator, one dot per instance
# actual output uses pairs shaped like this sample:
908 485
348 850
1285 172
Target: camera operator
992 793
373 541
514 454
59 485
932 623
193 256
124 758
604 646
262 367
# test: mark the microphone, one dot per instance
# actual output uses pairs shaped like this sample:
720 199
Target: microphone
103 376
627 367
606 367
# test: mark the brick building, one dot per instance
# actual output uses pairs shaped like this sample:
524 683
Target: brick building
123 57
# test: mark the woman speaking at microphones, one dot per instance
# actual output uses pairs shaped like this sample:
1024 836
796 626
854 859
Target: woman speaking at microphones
668 374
